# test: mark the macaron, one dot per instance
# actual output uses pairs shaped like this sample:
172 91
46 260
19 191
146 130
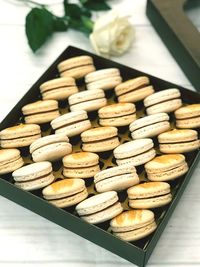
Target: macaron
66 192
20 135
50 148
99 208
34 176
81 165
134 90
116 178
133 225
178 141
135 153
188 116
87 100
166 167
149 195
76 67
41 111
149 126
58 89
72 123
164 101
118 114
10 160
104 79
100 139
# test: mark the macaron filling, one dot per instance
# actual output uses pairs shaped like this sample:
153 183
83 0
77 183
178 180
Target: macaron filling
41 112
164 101
70 123
132 89
75 67
21 137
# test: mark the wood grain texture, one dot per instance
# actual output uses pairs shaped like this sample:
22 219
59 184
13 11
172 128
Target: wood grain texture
27 239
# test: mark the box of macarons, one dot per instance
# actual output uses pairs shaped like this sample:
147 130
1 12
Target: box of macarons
102 150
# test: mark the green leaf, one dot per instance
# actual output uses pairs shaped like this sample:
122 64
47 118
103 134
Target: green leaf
87 22
39 26
78 25
98 5
86 12
60 24
72 10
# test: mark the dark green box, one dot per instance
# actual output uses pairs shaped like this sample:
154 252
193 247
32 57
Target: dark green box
136 252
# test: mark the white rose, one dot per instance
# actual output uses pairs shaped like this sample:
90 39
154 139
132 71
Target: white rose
112 34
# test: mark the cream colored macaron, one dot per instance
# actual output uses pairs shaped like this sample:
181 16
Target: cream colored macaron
66 192
72 123
104 79
166 167
178 141
135 153
20 135
99 208
100 139
118 114
76 67
149 195
10 160
59 88
116 178
149 126
34 176
133 225
87 100
50 148
163 101
41 111
188 116
134 90
81 165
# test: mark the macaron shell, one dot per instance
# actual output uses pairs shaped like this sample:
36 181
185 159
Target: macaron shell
150 203
188 123
101 74
11 166
167 106
117 183
19 142
131 84
75 129
105 84
151 130
99 133
40 106
8 155
138 159
137 234
136 95
101 145
63 188
179 147
78 72
59 93
97 203
83 173
21 130
58 82
80 159
52 152
104 215
188 111
42 117
178 135
70 200
74 62
90 105
168 175
36 184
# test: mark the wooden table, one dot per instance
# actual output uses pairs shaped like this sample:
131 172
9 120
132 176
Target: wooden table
27 239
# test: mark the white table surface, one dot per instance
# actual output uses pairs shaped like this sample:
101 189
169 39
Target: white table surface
27 239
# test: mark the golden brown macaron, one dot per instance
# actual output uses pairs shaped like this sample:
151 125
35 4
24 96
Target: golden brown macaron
188 116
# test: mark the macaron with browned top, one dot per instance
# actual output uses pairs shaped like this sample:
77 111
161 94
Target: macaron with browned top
41 111
163 101
76 67
118 114
59 88
133 225
10 160
20 135
66 192
81 165
116 178
188 116
134 90
100 139
104 79
166 167
149 195
178 141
